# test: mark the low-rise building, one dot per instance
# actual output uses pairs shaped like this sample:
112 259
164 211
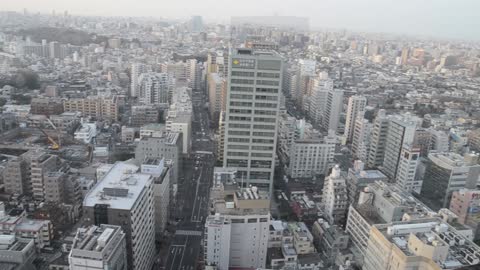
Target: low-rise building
98 247
86 132
429 244
16 252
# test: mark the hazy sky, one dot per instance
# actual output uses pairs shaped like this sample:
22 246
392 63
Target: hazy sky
444 18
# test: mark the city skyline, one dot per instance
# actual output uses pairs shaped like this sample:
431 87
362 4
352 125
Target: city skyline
439 19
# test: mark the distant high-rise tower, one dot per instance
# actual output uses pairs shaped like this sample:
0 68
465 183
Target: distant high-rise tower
376 152
401 130
137 70
253 102
155 88
407 166
356 105
333 109
335 200
196 24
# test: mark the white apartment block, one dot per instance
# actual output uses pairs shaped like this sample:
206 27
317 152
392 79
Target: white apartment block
311 156
355 108
155 88
335 199
361 138
137 69
333 110
406 177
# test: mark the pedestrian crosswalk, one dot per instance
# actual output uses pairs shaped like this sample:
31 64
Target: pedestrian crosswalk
184 232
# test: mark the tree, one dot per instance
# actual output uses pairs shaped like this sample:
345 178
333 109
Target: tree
27 79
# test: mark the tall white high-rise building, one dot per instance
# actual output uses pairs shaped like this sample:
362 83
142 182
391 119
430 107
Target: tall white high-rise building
401 130
194 74
318 99
356 107
125 198
155 88
333 110
98 247
137 69
252 110
406 177
335 199
376 152
361 138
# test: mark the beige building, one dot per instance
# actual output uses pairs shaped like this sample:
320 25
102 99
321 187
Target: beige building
94 106
216 94
427 244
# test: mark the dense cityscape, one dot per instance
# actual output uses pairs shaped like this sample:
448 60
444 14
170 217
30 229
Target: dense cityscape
144 143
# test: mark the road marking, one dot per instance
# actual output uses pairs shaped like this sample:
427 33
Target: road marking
196 192
188 232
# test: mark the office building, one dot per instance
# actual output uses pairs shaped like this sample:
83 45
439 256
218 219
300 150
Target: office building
333 110
253 101
155 88
98 247
125 198
355 108
428 244
401 130
237 229
136 71
444 174
335 199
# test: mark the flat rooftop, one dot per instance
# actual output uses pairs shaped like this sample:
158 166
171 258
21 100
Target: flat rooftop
96 239
119 188
436 234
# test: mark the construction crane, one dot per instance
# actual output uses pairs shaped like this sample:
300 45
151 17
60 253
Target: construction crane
55 145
